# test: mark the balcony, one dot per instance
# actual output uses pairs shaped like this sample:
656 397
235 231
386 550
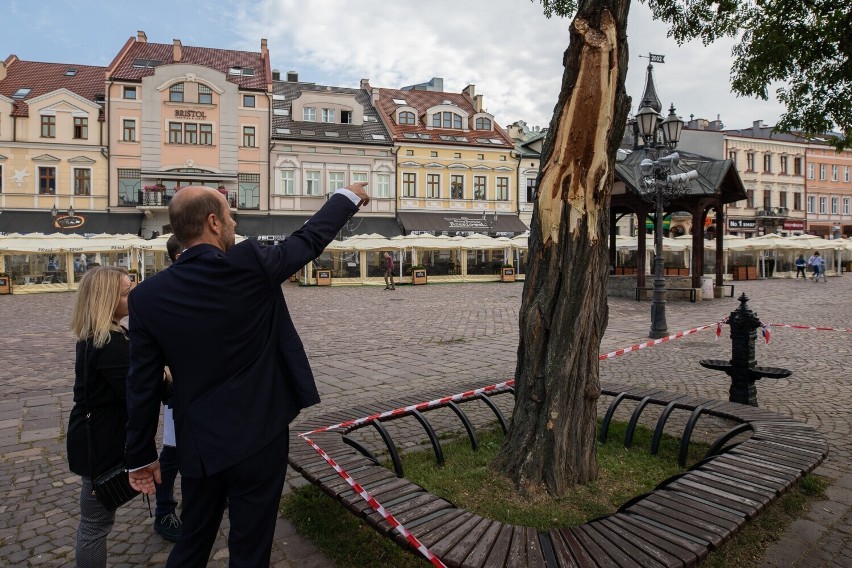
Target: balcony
773 213
149 199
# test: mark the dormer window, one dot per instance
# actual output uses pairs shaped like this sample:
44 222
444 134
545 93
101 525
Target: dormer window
407 118
400 101
446 120
309 114
22 93
176 93
483 123
70 72
328 115
241 71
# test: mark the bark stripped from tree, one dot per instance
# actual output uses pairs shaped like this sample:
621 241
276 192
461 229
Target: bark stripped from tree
551 442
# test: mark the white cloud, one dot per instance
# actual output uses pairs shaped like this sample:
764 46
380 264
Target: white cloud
507 48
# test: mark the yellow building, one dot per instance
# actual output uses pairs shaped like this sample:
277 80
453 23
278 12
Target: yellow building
53 159
181 115
454 165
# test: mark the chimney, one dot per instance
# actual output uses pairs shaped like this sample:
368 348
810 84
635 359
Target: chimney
477 103
276 75
374 96
365 85
756 126
2 70
292 77
470 91
264 50
141 37
176 50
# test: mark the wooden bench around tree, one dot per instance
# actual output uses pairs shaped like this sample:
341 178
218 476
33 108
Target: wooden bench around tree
677 524
692 291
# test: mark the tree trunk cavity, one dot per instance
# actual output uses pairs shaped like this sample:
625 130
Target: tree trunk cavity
551 442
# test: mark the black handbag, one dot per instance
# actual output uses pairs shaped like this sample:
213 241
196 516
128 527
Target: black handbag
112 488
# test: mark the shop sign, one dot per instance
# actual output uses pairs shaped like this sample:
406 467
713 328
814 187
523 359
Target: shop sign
195 114
69 221
742 224
794 225
466 223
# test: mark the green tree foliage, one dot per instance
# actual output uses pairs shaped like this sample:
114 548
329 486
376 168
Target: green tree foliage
804 44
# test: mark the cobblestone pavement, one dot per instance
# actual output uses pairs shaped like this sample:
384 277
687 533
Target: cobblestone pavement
368 344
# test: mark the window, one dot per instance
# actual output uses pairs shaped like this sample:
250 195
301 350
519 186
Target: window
433 154
248 136
846 173
128 130
309 114
457 187
47 181
784 165
248 101
750 198
328 115
205 95
767 163
810 171
129 184
767 199
433 186
531 193
409 185
205 134
312 183
457 155
81 127
479 187
782 199
446 120
732 155
335 181
835 205
797 201
249 191
1 178
190 133
847 204
409 152
835 173
287 186
82 181
483 124
346 117
811 204
503 158
797 166
21 93
480 156
822 172
750 162
48 126
176 93
406 118
823 204
359 177
502 189
130 93
382 185
175 133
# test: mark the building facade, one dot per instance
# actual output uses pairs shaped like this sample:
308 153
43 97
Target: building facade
772 167
528 146
829 191
181 115
455 170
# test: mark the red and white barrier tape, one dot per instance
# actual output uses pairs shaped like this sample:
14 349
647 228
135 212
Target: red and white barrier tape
815 328
412 540
617 352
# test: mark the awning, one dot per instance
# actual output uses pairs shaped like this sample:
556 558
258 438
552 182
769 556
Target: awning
82 223
277 227
461 224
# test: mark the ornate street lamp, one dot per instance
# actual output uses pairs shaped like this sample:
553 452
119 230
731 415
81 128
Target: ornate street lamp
660 187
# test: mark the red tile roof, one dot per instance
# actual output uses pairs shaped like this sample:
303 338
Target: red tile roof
45 78
219 59
423 101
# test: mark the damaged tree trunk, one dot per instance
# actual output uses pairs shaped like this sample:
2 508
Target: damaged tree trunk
551 442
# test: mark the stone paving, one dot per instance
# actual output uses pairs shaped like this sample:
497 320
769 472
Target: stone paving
368 344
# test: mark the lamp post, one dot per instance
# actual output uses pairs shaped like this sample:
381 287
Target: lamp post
659 187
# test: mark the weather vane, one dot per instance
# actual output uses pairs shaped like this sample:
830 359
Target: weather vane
654 58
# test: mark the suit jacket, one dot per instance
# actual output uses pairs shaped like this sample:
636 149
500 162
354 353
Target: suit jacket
240 372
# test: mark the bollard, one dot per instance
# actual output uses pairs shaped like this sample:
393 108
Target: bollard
742 367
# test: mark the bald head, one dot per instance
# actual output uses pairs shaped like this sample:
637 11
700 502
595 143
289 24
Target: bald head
190 210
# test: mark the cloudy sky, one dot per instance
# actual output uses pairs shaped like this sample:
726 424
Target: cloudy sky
507 48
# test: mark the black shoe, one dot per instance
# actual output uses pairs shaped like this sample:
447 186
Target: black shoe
169 527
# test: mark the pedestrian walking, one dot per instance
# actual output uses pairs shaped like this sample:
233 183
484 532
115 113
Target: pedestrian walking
814 262
801 263
389 285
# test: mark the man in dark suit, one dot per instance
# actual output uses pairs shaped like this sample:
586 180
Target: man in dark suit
240 372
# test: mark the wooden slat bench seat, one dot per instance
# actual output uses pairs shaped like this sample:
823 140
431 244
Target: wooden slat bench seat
676 525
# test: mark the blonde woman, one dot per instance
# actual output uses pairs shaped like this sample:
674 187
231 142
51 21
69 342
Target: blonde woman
99 397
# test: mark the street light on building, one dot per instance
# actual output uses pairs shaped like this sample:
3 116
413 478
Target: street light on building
659 187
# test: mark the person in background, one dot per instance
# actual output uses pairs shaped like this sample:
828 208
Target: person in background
100 370
218 318
167 524
389 272
822 269
801 263
814 262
